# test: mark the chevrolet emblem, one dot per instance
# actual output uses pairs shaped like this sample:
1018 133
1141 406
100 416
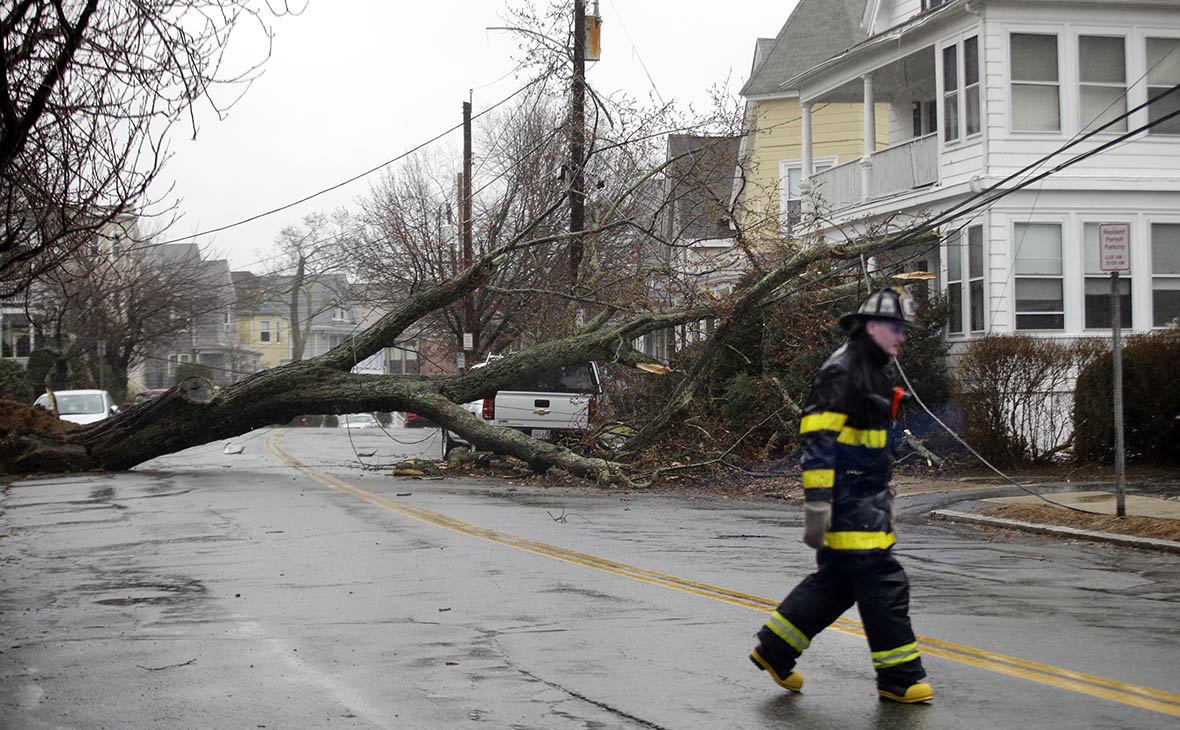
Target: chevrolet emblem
542 411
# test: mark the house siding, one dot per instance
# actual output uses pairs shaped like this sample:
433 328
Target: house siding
273 353
837 131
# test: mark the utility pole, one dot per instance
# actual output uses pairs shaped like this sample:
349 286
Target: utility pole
468 343
577 190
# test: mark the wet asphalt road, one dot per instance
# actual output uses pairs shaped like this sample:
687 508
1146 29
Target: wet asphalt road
287 587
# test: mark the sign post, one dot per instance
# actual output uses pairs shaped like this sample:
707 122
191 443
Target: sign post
1114 245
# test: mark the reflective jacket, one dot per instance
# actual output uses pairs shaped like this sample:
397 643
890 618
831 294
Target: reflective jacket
847 453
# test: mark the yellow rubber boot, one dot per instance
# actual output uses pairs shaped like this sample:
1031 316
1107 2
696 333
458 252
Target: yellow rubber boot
793 681
917 692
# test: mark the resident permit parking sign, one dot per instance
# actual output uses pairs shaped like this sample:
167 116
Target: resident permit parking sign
1114 246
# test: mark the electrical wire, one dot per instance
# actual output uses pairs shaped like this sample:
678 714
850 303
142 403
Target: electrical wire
352 179
910 389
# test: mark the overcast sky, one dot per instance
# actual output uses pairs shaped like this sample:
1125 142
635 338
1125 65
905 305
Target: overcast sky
354 83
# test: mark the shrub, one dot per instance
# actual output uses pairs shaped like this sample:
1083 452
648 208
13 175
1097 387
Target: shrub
1013 394
1151 402
193 370
14 382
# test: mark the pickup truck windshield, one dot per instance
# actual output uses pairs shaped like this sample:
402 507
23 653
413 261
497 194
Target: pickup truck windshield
563 379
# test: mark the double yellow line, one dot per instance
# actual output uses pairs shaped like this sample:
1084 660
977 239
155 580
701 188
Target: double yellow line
1109 689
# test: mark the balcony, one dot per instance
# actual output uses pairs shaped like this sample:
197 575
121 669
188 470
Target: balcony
894 170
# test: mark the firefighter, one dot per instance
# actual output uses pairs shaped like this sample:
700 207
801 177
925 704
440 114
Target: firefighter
847 459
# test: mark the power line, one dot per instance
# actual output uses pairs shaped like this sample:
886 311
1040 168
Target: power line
352 179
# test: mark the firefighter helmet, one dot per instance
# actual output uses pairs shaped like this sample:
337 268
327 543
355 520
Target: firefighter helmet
894 304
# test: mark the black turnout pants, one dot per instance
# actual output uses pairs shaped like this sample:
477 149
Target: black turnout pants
877 584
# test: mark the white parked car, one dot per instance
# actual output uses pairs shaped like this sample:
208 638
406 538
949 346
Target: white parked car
80 406
359 420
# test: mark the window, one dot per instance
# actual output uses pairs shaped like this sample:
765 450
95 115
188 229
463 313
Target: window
340 314
1165 274
964 277
1040 299
1163 73
950 93
1035 94
791 188
403 358
264 330
1102 92
971 84
925 117
960 90
176 359
1097 294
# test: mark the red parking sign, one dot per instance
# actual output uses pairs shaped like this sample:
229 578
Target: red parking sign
1114 246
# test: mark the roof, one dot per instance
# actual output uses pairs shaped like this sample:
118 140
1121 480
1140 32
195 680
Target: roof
815 31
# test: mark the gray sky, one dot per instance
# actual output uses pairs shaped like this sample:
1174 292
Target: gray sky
354 83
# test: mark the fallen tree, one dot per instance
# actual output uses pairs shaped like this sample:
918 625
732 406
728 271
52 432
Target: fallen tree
192 413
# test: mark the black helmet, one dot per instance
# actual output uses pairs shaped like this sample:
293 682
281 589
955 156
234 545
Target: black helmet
894 305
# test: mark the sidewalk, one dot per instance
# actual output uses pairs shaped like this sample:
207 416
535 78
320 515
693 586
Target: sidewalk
1092 501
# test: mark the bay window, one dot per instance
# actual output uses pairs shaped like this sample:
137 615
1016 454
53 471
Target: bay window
1163 73
964 289
960 90
1102 91
1036 95
1040 293
1165 274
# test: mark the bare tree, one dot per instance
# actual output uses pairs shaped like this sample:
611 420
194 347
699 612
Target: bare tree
309 273
89 92
112 302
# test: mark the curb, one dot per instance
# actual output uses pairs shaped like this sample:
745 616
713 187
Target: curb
1149 543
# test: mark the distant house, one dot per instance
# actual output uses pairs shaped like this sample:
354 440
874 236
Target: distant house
324 315
209 339
695 232
261 319
418 352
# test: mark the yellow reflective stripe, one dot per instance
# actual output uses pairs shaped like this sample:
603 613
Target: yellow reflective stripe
819 478
893 657
826 421
858 540
786 631
872 438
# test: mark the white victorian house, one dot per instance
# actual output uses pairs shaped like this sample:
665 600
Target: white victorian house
978 90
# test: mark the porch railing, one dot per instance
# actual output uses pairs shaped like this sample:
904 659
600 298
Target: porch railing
895 169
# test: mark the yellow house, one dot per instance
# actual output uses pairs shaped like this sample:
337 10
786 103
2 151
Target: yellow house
261 322
772 200
268 333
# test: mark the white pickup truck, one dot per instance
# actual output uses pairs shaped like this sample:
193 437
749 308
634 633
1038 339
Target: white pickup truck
560 400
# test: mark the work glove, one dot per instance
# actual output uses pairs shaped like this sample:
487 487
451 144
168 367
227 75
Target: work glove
817 518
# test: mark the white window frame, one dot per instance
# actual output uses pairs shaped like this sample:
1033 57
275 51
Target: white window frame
1095 275
264 331
956 93
1013 82
967 279
175 359
818 164
1152 89
399 357
1085 124
1017 243
1173 279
